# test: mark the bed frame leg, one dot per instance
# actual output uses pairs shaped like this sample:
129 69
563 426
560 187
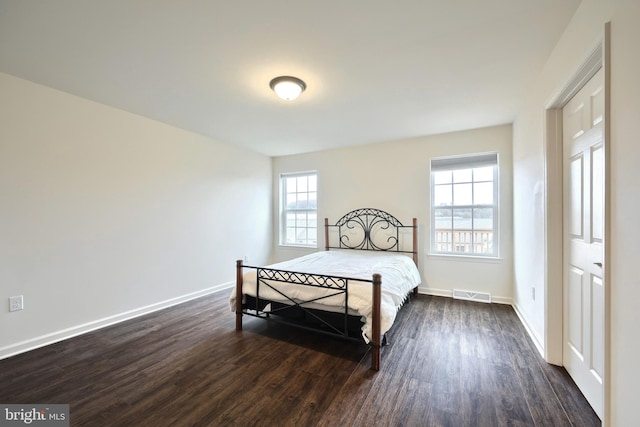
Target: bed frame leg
239 295
415 248
375 339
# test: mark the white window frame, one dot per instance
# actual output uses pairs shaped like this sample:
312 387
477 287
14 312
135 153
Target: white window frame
456 163
285 210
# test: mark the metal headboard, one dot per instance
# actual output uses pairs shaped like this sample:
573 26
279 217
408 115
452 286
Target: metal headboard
357 229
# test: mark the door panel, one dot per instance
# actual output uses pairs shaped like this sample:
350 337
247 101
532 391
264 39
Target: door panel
597 337
576 211
597 189
575 315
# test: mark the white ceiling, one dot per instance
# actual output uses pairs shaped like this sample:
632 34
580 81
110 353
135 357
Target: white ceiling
375 70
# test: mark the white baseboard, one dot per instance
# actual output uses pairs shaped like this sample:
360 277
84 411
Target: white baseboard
64 334
449 294
534 337
435 292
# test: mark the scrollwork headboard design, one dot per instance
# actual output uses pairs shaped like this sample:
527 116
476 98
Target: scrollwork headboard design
370 229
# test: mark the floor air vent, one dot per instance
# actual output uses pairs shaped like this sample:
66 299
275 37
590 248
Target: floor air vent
471 296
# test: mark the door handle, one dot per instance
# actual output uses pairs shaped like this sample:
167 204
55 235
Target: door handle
599 264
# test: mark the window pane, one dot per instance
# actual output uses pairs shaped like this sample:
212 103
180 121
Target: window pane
312 235
442 195
291 201
302 183
462 219
462 194
444 218
313 183
442 177
313 204
302 201
291 235
483 174
301 220
291 220
462 175
483 218
291 185
483 193
312 220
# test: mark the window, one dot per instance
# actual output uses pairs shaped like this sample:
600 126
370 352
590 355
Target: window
464 205
299 218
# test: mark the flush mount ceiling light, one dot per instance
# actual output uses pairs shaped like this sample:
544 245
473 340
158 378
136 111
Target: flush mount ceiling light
287 87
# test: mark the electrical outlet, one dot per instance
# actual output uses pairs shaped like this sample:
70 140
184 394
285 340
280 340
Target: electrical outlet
16 303
533 293
246 258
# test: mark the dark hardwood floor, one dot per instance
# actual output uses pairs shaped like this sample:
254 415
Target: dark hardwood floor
449 363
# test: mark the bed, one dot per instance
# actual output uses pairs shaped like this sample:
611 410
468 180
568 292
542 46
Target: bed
338 291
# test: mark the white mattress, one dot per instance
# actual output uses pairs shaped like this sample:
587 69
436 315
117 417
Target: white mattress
399 276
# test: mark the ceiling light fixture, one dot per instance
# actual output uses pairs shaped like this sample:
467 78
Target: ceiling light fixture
287 87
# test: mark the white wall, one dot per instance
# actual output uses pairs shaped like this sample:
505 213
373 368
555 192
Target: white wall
580 37
579 40
394 176
105 214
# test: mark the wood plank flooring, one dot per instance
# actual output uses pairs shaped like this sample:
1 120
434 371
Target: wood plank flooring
449 363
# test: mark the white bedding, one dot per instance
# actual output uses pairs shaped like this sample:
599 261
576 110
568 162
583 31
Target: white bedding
399 276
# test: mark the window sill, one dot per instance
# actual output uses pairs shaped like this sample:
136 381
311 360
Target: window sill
293 246
466 258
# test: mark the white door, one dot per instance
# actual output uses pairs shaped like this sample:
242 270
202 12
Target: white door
583 352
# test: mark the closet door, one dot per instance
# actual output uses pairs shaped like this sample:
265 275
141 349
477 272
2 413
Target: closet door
583 329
